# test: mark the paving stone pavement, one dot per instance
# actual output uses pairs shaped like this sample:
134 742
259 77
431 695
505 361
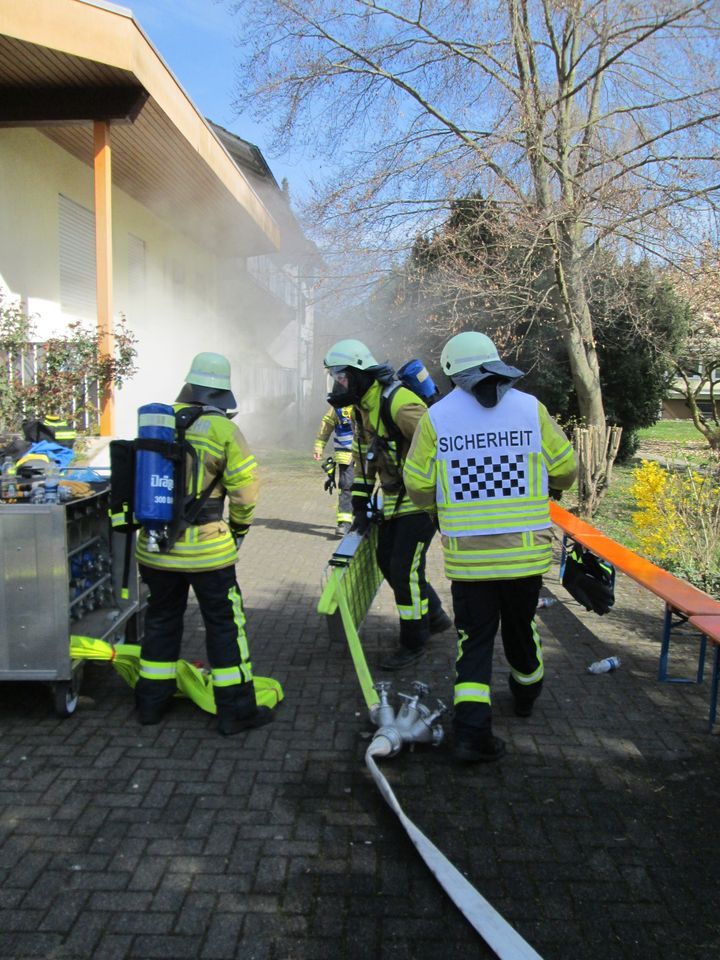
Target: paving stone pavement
597 836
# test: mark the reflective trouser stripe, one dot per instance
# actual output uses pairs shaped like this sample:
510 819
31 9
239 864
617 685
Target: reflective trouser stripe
226 676
416 612
418 606
526 679
471 693
152 670
245 666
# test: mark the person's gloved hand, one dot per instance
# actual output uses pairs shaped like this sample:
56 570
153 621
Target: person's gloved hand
554 494
361 523
238 531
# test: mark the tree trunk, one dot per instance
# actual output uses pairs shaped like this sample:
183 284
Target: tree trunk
596 444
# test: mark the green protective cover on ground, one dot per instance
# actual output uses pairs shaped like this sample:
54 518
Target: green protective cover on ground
349 593
193 681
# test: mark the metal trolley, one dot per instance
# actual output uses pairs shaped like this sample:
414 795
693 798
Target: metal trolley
61 572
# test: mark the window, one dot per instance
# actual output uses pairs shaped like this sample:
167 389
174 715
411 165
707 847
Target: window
77 259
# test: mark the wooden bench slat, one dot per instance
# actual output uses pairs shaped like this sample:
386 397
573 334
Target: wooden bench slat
709 625
680 595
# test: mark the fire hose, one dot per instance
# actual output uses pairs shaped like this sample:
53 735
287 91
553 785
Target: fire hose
351 587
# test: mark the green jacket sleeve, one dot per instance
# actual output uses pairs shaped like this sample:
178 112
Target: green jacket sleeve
419 473
557 452
240 477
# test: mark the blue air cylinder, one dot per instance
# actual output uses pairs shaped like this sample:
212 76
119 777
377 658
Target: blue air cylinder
415 376
154 474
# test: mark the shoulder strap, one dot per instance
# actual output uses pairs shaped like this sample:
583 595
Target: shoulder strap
391 428
187 507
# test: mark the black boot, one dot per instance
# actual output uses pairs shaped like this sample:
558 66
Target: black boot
231 721
401 657
439 621
480 749
150 713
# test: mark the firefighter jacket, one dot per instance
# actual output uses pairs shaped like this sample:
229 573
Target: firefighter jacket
64 432
485 473
339 423
222 451
380 448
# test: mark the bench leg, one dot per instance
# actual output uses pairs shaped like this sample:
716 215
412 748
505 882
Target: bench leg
665 651
665 645
714 687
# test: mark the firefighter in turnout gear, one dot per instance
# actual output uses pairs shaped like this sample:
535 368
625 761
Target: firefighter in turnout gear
385 418
338 423
204 558
484 461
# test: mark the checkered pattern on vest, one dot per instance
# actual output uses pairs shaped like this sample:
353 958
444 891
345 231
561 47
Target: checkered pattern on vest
486 478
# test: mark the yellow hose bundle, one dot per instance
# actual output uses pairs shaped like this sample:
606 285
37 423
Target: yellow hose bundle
193 681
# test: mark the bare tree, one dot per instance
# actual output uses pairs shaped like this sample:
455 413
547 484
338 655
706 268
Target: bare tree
592 124
698 366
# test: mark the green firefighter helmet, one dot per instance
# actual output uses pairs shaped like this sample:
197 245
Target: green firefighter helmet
467 350
350 353
208 382
210 370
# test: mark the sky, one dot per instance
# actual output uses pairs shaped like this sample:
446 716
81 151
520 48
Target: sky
196 40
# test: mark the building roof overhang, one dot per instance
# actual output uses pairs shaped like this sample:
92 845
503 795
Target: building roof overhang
66 63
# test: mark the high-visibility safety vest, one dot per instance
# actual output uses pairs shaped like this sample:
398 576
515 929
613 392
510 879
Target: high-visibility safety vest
343 432
222 450
485 470
338 422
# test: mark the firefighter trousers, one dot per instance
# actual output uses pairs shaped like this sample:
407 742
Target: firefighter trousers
401 549
346 475
481 606
220 601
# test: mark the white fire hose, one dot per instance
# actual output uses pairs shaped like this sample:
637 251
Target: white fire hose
414 723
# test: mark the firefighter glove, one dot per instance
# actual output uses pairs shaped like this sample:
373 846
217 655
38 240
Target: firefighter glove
238 532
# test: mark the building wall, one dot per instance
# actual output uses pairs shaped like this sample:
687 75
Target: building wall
178 298
675 408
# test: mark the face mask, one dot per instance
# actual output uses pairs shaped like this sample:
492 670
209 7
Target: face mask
349 386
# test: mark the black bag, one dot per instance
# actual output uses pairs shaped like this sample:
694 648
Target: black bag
122 485
587 578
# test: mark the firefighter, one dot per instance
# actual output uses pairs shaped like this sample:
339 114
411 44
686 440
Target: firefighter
385 418
483 462
338 422
204 558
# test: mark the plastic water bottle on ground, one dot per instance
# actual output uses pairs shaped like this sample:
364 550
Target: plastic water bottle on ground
604 666
546 602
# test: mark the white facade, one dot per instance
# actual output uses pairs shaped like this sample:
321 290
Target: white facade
178 297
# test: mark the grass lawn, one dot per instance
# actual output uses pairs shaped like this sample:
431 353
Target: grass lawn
671 431
614 515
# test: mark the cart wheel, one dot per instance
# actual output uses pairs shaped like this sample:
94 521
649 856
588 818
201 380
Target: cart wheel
65 694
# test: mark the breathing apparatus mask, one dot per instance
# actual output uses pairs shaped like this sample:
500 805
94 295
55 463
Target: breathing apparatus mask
348 385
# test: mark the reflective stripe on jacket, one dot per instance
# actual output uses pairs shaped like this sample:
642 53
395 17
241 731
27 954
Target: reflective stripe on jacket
61 428
485 472
222 451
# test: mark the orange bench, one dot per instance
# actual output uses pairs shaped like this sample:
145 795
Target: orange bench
709 627
683 602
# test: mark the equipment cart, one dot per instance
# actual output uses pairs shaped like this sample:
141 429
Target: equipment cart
61 574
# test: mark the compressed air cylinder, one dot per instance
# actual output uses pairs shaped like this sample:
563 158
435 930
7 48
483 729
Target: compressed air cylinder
154 473
415 375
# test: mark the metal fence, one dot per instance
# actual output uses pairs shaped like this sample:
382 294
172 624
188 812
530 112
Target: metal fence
22 366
